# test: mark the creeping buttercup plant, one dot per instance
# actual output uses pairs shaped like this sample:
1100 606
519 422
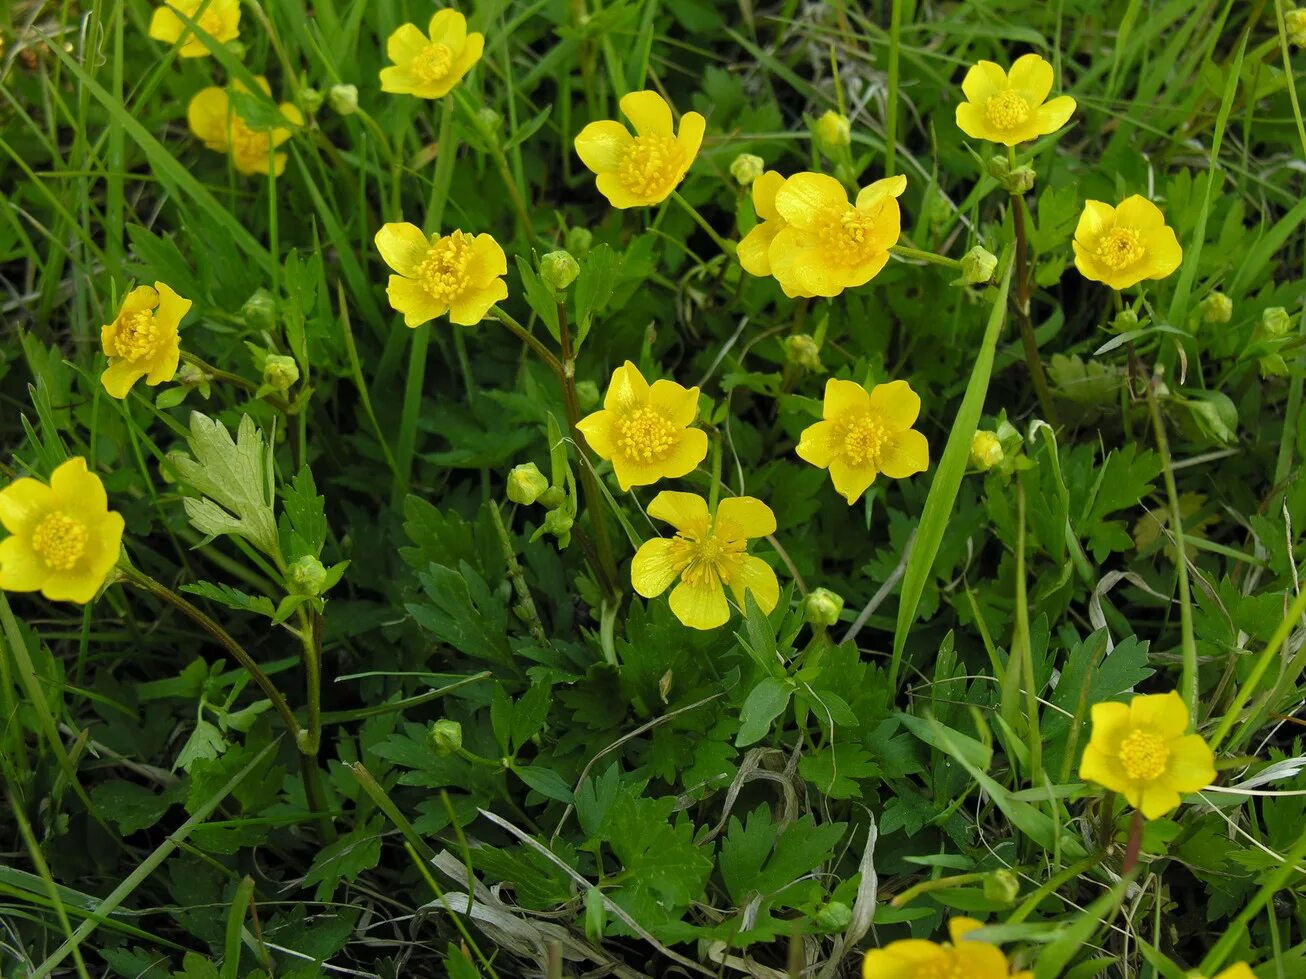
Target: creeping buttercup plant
652 489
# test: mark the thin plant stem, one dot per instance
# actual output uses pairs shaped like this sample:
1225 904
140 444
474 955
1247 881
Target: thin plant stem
1021 642
244 383
407 446
1027 337
727 248
920 255
530 339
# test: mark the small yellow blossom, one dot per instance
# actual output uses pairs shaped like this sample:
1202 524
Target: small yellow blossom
644 429
708 554
1140 750
755 247
827 244
863 434
915 958
142 340
221 19
1295 22
429 65
457 273
1123 245
214 120
985 450
641 170
833 131
63 538
1011 108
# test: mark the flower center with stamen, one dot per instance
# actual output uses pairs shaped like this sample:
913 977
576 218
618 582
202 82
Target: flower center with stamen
248 148
709 559
1119 248
137 335
863 439
1143 755
60 540
1006 110
645 435
443 273
947 966
433 63
211 22
848 235
650 164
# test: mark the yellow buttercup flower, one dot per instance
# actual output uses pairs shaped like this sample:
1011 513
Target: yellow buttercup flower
641 170
429 65
827 244
1239 970
1011 108
63 538
915 958
1123 245
1140 750
708 554
755 247
221 19
457 273
142 340
644 429
864 434
214 120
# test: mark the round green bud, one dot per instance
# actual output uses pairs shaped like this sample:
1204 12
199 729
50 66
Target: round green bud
587 394
552 498
188 375
344 99
985 450
801 351
746 168
1001 886
1295 22
260 310
311 99
526 483
559 270
999 167
1020 180
280 372
579 240
821 608
1217 308
306 576
1275 323
833 131
445 737
1125 321
558 522
833 917
490 121
978 265
237 49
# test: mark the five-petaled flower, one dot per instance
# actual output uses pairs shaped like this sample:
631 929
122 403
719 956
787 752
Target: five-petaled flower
142 340
429 65
1011 108
1123 245
219 19
63 538
214 120
866 433
965 958
708 554
1140 750
641 170
827 244
457 273
644 429
754 251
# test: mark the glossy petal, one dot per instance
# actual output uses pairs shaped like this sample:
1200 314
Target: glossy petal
687 512
1097 218
165 361
972 121
448 27
1110 725
1140 214
690 450
21 568
78 585
800 268
165 25
1153 799
399 80
905 454
883 963
1164 715
648 112
171 307
403 246
819 444
472 306
600 145
119 377
207 116
896 403
959 928
488 260
1052 115
405 44
1164 255
850 481
1103 769
690 137
1239 970
861 274
804 198
700 606
984 80
678 404
1032 77
744 518
756 576
754 251
764 191
74 487
597 429
881 190
1191 765
22 503
656 565
417 305
611 187
844 397
472 50
627 390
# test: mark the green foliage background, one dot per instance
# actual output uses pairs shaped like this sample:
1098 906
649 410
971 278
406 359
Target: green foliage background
631 794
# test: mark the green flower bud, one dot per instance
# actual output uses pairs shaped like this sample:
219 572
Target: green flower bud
260 310
985 450
999 167
1275 323
821 608
559 270
280 373
558 523
1217 308
526 483
489 120
579 240
445 737
311 99
306 576
801 351
237 49
746 168
1125 321
344 99
1295 22
833 917
552 498
188 375
587 394
977 266
1001 886
833 131
1019 180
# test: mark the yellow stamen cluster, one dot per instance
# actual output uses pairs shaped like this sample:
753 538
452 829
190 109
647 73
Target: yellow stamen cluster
709 560
60 540
645 435
1119 248
863 440
443 273
1143 755
1006 110
433 63
137 336
248 147
649 164
848 234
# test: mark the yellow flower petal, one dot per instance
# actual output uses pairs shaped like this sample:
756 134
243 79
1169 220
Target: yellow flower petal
73 486
488 260
1032 77
79 585
403 246
842 397
678 404
405 44
690 137
119 377
1103 769
804 198
700 606
600 145
881 190
165 25
959 928
472 50
171 307
164 363
597 429
819 444
744 518
1052 115
1164 254
617 194
850 481
1153 800
417 305
1110 725
21 568
984 80
687 512
22 503
905 454
1191 765
207 116
883 964
655 567
1239 970
1164 715
756 576
399 80
897 405
648 112
448 27
971 121
800 268
764 191
755 247
627 389
472 306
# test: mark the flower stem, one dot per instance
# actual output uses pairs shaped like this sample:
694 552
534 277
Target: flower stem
728 248
530 339
904 251
407 446
218 374
1028 339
